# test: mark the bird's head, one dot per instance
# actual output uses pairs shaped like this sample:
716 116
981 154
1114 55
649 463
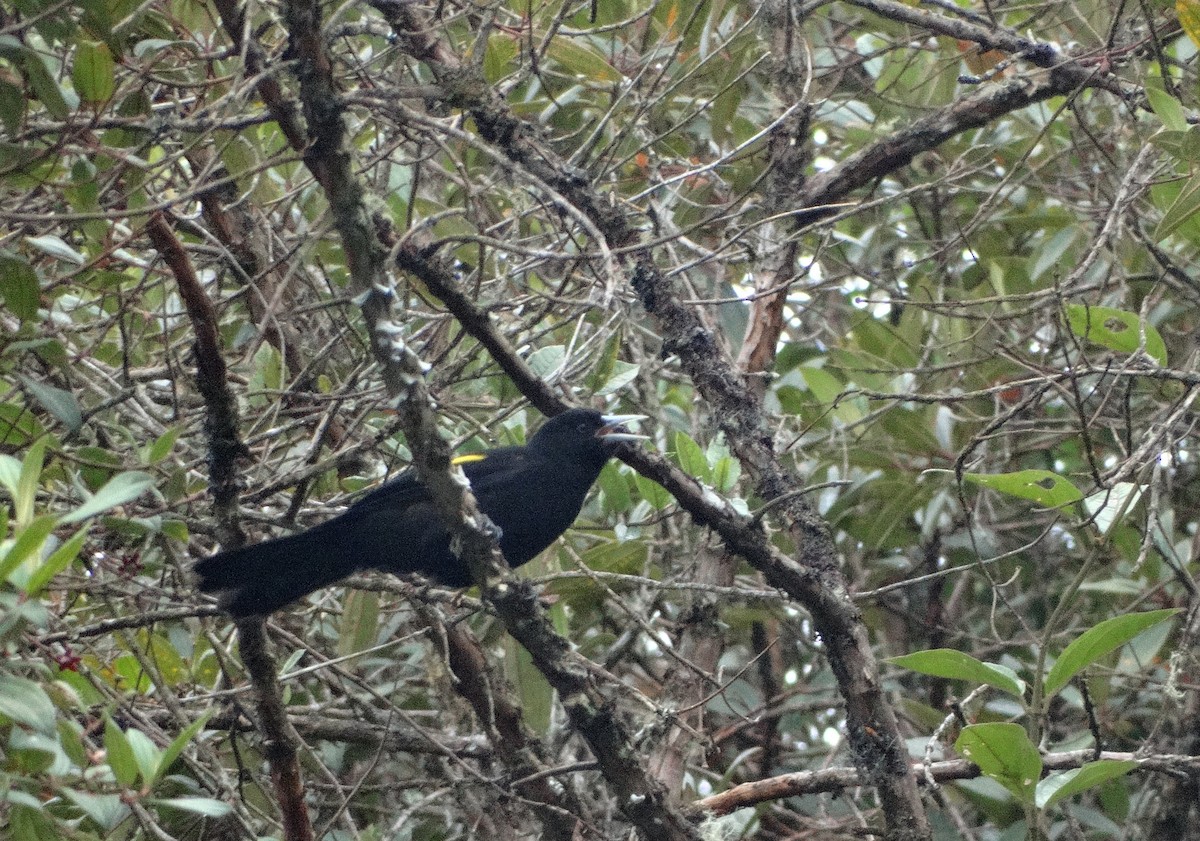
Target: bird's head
585 434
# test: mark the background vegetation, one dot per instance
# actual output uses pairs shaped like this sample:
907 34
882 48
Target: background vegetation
908 291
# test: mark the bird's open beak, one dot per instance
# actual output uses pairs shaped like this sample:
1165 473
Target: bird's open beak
614 428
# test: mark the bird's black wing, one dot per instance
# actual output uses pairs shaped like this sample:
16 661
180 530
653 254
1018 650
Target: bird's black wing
483 471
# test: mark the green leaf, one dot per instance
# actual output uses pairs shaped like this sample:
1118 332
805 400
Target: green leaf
1186 203
548 360
162 446
21 288
1116 330
827 389
948 663
55 246
173 750
30 540
360 622
206 806
623 374
628 557
59 559
25 702
581 61
654 493
536 695
1166 107
119 754
58 402
1105 506
1043 487
118 490
1057 787
41 80
144 753
105 810
691 457
1003 751
1051 253
92 72
1098 642
25 492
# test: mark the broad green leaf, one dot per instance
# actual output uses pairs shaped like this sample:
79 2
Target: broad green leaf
360 622
25 702
1056 787
1098 642
623 374
1183 208
29 542
581 61
1003 751
1116 330
55 246
1043 487
106 810
547 360
615 489
122 488
691 457
59 560
536 695
1051 253
654 493
119 754
1166 107
58 402
92 72
25 492
1106 506
206 806
41 79
21 288
949 663
10 475
627 557
173 750
162 446
145 754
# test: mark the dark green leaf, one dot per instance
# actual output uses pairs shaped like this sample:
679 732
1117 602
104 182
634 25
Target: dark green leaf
58 402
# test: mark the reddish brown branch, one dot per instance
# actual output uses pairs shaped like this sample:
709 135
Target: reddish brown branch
225 446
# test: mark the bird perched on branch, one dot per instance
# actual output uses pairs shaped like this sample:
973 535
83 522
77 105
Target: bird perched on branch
532 493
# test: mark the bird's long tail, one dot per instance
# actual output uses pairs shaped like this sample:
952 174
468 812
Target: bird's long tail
264 577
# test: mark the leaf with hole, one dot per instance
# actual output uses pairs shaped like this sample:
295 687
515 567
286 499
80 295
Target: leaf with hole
1043 487
1116 329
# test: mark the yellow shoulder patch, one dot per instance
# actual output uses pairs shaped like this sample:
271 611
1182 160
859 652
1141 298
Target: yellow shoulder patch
468 458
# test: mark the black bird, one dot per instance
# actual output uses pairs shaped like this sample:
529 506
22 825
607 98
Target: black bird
533 493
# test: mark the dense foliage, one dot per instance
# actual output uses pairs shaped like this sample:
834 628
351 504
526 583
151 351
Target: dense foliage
947 248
